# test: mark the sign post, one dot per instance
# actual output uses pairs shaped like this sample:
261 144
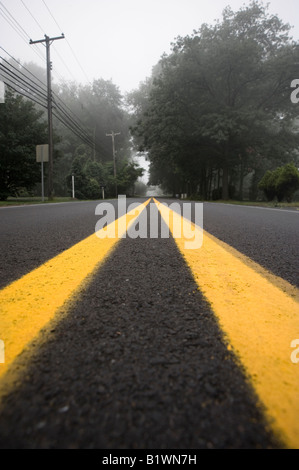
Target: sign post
73 186
2 92
42 155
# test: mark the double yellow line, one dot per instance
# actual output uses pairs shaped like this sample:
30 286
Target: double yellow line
259 316
30 303
257 312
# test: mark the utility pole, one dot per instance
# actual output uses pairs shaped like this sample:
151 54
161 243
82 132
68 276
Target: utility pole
94 144
48 42
113 134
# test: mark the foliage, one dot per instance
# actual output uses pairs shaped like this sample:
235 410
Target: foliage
99 109
281 183
268 184
21 129
220 104
216 109
90 176
83 115
127 176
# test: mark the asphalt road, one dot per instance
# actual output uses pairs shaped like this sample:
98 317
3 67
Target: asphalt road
139 361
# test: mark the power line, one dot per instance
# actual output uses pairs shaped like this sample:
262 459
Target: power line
51 15
10 19
64 63
16 80
67 111
18 28
57 115
23 93
26 77
13 20
72 127
74 123
27 70
71 49
42 30
113 135
15 74
34 89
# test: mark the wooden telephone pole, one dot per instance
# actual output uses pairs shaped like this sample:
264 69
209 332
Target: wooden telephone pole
48 42
113 134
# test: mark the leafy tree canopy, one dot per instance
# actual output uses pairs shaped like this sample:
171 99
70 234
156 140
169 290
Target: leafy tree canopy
220 102
21 129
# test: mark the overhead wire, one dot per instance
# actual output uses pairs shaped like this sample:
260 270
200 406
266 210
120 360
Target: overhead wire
71 49
43 32
69 45
60 115
19 81
22 92
73 129
25 68
21 84
42 88
55 49
18 28
38 24
10 19
61 111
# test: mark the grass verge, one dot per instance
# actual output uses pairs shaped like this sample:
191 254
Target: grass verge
21 201
278 205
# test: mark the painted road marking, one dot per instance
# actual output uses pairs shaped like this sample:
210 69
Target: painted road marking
30 303
281 209
259 316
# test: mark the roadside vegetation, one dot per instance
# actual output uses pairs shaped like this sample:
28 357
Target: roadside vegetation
215 120
23 126
217 114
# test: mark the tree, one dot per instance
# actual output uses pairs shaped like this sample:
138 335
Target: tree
268 183
21 129
127 177
221 102
281 183
90 176
98 108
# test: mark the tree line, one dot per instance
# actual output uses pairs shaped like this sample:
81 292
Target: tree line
217 108
83 117
216 113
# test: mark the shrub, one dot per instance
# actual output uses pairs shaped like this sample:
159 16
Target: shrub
287 182
281 183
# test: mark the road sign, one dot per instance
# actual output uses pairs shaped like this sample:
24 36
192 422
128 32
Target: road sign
2 92
42 156
42 153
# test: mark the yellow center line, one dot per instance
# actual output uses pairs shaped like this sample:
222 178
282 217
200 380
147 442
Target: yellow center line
30 303
259 316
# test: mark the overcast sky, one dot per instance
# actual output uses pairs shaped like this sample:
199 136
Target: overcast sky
119 40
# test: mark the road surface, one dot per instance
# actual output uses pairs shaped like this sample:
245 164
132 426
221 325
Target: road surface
135 345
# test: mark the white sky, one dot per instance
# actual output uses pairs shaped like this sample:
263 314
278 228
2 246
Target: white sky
113 39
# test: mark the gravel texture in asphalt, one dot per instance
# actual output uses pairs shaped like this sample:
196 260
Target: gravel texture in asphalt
138 362
268 236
